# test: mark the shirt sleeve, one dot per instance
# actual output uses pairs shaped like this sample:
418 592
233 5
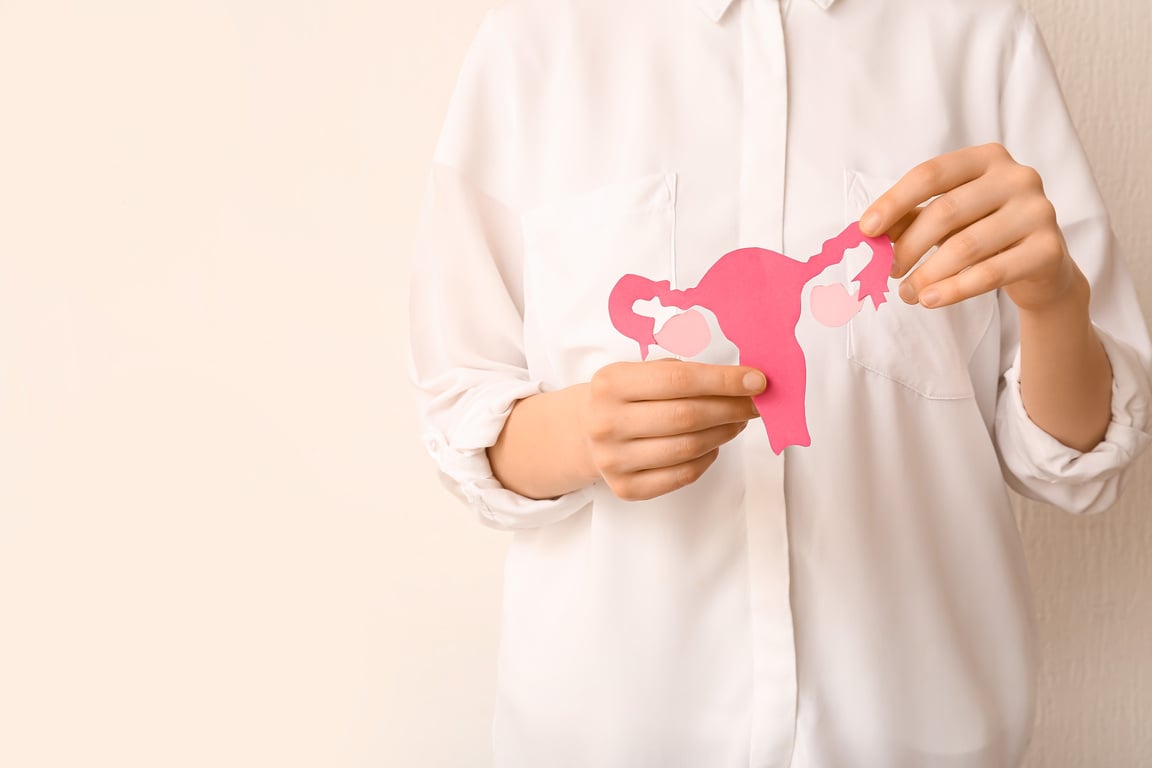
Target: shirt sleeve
1039 132
466 352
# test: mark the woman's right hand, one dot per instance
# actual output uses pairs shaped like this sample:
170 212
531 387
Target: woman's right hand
656 426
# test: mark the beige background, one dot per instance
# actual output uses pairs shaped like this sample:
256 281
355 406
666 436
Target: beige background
220 542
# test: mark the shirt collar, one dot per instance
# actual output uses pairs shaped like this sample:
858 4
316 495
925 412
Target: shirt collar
714 9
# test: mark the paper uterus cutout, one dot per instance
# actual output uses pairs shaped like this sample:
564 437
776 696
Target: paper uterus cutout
755 295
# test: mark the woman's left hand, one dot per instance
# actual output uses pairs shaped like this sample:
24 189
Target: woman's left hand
994 226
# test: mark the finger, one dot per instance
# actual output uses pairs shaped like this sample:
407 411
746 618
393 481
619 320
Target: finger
656 482
951 212
897 230
656 452
665 380
657 418
1020 262
973 244
926 180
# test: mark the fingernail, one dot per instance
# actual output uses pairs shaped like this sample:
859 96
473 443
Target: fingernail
930 297
908 292
869 223
754 381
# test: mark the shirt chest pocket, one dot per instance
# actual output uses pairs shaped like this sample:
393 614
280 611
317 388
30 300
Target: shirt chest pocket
575 250
925 350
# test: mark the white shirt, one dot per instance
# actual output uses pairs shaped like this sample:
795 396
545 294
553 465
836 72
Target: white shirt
861 601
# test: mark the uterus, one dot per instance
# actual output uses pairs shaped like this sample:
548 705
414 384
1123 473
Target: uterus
745 310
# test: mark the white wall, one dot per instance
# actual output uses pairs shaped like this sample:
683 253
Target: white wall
220 543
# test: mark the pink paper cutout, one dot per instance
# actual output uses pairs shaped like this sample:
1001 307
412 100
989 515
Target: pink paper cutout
686 334
832 305
755 295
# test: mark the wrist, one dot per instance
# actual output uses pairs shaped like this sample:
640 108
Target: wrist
578 401
1068 309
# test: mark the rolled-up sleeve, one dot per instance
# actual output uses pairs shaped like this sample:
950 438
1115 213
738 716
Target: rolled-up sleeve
1039 132
1043 468
466 351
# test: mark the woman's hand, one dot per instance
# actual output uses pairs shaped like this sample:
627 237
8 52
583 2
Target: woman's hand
656 426
994 226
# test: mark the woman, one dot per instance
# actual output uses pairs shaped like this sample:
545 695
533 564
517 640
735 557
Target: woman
678 593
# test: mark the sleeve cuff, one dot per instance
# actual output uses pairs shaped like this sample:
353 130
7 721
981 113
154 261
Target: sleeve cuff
1043 468
465 471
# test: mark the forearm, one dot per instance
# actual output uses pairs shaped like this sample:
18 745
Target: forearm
1065 376
541 452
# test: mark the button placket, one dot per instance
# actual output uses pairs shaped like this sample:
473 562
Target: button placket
761 216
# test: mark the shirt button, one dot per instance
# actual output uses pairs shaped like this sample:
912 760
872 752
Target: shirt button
434 444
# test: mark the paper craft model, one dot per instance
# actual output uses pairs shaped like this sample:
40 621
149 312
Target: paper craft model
755 295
